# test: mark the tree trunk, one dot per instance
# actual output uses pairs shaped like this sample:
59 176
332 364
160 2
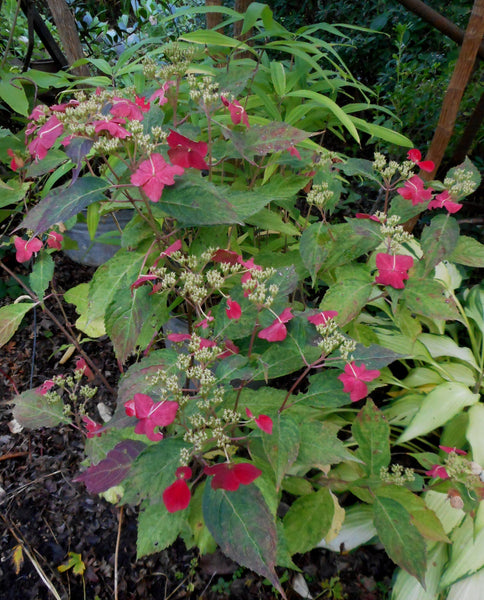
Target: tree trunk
241 6
438 21
457 85
213 19
67 30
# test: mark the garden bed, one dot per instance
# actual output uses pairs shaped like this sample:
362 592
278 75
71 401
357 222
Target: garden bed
50 515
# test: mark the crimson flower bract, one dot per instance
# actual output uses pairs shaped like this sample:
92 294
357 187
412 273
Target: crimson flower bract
414 190
277 332
354 379
153 174
393 269
25 249
177 496
185 152
415 155
46 137
237 112
229 476
444 200
151 415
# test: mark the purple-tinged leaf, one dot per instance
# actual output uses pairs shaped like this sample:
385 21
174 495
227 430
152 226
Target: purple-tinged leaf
113 469
63 203
244 528
76 151
264 139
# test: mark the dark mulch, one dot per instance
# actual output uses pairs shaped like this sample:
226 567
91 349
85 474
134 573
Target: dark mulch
42 509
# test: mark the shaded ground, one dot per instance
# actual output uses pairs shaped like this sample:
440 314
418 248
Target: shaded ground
49 515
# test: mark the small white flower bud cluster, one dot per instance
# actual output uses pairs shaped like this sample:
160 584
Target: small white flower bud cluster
460 184
379 162
204 89
320 195
389 171
260 292
395 233
397 475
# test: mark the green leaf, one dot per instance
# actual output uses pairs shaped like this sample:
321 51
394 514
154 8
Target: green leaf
10 318
254 12
466 555
348 297
383 133
475 431
125 317
13 192
325 391
278 77
109 279
271 221
372 433
34 410
439 406
427 298
200 535
468 252
42 273
308 520
214 38
78 296
157 528
65 202
443 345
244 528
320 446
13 94
282 446
153 471
439 240
424 519
406 587
338 112
260 140
402 540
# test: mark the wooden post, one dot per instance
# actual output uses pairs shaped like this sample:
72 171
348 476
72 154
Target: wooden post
213 19
67 30
453 96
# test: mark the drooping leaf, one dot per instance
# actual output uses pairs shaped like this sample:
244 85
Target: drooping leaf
13 94
308 520
64 202
109 279
125 317
424 519
33 410
348 297
260 140
426 297
282 446
113 469
244 528
474 432
13 192
372 433
468 252
157 528
406 587
320 446
439 240
78 296
41 274
10 318
402 540
439 406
